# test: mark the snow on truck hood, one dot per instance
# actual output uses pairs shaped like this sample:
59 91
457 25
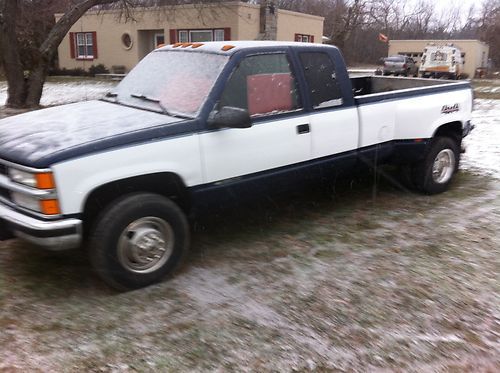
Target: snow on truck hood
29 137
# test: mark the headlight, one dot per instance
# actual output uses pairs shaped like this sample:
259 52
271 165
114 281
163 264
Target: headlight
26 201
22 177
42 180
45 206
42 200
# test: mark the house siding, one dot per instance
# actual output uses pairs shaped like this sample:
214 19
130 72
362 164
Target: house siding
239 20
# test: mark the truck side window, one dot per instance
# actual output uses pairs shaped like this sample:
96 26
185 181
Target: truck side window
320 75
262 84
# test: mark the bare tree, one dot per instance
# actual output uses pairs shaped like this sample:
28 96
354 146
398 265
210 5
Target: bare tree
29 38
489 28
26 90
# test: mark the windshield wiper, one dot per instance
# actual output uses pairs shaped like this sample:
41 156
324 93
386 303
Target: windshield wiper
151 99
157 101
111 94
145 98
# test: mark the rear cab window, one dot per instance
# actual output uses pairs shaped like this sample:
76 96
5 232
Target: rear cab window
321 79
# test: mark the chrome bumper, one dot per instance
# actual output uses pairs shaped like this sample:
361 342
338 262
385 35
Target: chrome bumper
54 235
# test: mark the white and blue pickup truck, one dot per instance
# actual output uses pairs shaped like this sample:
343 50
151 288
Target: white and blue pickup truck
120 175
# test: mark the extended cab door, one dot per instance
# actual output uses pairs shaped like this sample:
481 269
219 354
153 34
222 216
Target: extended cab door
334 118
265 85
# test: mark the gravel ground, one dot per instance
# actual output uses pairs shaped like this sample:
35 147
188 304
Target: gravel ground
371 277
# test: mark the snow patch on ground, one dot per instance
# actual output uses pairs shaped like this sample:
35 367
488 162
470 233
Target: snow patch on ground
483 144
67 90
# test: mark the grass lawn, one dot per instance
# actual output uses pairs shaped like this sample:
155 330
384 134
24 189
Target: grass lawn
357 274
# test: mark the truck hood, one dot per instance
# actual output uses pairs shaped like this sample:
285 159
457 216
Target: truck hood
33 137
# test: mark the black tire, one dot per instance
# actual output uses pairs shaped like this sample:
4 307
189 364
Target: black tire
161 233
424 177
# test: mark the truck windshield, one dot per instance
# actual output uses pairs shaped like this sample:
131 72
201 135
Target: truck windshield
172 82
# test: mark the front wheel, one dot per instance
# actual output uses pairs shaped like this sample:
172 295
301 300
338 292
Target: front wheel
138 240
434 173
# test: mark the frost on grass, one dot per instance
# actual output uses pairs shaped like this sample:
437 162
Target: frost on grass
67 90
389 282
483 144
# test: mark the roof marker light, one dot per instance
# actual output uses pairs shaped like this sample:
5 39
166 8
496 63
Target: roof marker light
226 48
185 45
176 45
197 45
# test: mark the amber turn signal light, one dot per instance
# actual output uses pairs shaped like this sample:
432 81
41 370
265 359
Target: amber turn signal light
45 180
50 207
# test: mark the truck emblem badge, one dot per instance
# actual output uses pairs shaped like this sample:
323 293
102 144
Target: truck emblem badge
448 109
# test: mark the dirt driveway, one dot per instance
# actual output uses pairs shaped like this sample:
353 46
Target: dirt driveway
371 277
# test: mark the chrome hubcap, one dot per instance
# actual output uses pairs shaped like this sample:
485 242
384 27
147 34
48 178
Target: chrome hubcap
444 166
146 244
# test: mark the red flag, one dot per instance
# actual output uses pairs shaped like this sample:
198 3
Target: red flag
383 38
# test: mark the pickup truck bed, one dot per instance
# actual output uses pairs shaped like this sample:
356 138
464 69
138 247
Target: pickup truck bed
122 174
368 85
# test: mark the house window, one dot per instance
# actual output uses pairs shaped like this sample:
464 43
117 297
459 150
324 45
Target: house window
183 37
127 41
84 45
159 40
196 36
219 36
199 36
304 38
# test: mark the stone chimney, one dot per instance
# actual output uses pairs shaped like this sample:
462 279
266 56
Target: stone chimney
268 20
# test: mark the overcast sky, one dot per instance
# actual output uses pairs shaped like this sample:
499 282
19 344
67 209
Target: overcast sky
442 5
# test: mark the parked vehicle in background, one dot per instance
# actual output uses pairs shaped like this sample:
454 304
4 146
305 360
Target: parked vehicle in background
400 65
441 61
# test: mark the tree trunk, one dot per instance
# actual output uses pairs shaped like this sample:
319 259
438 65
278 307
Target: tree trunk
10 57
27 92
35 84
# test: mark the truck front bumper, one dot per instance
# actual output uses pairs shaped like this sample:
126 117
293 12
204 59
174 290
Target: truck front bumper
54 235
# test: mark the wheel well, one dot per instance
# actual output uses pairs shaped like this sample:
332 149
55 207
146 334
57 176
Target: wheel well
166 184
452 130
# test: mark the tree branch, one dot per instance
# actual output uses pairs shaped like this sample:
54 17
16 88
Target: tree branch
64 24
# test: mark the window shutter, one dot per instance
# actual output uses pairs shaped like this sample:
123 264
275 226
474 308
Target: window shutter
72 45
94 43
227 33
173 36
312 38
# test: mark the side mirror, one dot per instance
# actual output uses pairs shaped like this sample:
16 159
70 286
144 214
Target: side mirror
229 117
